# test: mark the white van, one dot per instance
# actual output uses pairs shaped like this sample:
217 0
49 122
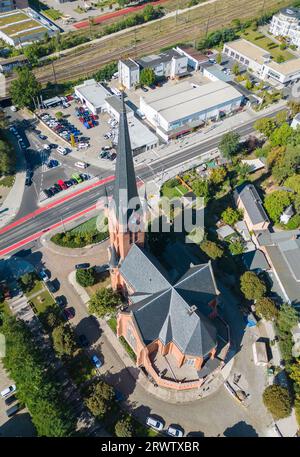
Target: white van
8 391
81 165
154 423
13 108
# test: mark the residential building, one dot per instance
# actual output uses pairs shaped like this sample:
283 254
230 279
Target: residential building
249 201
129 73
168 64
214 72
182 107
282 250
259 61
10 5
170 323
93 95
287 24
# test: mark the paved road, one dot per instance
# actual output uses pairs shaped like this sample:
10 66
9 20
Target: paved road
145 172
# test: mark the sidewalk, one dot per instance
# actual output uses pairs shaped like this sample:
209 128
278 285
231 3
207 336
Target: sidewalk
12 203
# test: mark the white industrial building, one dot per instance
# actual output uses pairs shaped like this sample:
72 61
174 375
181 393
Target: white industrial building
181 107
260 62
169 64
287 24
93 95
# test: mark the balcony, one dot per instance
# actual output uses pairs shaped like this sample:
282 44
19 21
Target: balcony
166 368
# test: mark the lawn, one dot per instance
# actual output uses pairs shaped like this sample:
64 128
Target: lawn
173 192
266 43
42 301
7 181
38 286
30 32
52 13
14 28
112 322
87 227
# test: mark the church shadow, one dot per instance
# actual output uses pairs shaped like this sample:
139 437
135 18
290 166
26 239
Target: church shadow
241 429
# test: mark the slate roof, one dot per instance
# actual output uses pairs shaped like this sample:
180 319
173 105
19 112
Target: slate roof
162 307
252 203
255 260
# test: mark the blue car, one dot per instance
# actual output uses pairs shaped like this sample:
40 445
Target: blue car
96 361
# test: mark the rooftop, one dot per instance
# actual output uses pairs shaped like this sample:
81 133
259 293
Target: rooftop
197 55
291 12
155 59
248 49
93 92
252 203
180 100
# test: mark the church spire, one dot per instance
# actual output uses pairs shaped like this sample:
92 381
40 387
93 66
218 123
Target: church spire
125 188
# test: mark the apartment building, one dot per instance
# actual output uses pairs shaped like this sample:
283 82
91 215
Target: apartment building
287 24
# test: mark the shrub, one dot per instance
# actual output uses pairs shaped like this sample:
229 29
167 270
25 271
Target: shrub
124 428
230 216
265 307
278 401
85 277
252 287
211 249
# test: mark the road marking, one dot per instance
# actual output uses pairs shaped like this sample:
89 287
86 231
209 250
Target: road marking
37 235
55 203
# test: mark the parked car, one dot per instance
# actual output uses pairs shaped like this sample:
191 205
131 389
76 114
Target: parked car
174 431
103 154
4 393
84 342
13 108
54 190
62 184
82 266
61 301
47 147
77 178
42 137
47 192
14 409
50 286
10 400
69 313
113 156
144 89
61 150
44 275
154 423
81 164
96 361
53 163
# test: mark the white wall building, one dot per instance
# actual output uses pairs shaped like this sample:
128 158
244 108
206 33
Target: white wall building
177 109
93 95
287 24
296 121
259 61
129 73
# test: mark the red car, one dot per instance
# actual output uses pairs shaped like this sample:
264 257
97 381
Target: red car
69 313
62 184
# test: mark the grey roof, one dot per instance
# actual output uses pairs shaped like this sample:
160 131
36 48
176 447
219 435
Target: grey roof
162 308
116 103
225 231
125 188
290 250
291 12
252 203
130 63
255 260
155 59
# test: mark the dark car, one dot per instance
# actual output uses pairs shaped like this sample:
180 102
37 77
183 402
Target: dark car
82 266
54 190
68 183
72 181
28 181
84 342
144 89
48 193
10 400
50 286
42 137
52 146
61 301
57 186
113 156
69 313
84 176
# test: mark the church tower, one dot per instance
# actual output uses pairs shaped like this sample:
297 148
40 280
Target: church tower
125 213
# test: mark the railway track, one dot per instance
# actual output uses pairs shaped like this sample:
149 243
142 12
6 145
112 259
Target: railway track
190 25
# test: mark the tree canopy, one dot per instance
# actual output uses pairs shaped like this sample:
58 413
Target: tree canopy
63 340
212 249
7 158
265 307
252 287
278 401
230 144
85 277
147 77
104 301
99 399
25 88
124 427
230 216
276 202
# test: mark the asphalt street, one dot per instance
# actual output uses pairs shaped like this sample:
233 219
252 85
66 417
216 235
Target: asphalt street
144 171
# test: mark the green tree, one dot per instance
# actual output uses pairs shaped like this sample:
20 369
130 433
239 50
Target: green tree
148 13
85 277
230 216
280 58
63 340
99 399
124 428
212 249
217 175
294 107
281 117
236 247
27 281
288 164
230 144
276 202
265 307
236 69
252 287
147 77
287 318
201 188
293 182
219 58
294 372
25 88
265 125
104 301
281 135
248 84
278 401
7 158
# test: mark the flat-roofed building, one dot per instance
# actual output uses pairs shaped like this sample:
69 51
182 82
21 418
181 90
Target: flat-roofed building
93 95
179 108
287 24
195 58
260 62
129 73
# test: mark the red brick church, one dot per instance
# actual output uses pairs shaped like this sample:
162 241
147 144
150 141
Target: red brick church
170 322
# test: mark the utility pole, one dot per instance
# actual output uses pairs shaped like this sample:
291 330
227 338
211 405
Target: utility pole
54 74
63 224
176 15
207 24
